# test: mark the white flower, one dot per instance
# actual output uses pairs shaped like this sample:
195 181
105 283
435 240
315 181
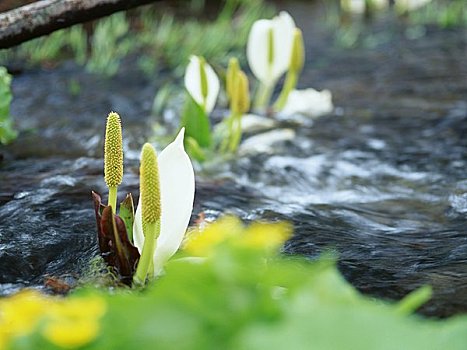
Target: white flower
309 102
177 191
196 71
269 59
358 6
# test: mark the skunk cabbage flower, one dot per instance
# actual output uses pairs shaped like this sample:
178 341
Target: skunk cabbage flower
360 6
202 83
269 47
177 190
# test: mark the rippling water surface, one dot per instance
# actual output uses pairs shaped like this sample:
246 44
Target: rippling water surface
381 181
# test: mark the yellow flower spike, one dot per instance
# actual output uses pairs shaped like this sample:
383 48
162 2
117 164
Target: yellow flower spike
239 105
270 46
150 209
242 94
203 78
149 186
297 58
232 70
113 157
113 151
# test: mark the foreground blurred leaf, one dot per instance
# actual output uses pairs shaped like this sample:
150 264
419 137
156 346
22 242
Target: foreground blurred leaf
239 298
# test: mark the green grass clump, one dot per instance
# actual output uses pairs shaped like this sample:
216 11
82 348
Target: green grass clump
444 13
7 133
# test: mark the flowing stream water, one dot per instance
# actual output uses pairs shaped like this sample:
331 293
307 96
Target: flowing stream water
381 181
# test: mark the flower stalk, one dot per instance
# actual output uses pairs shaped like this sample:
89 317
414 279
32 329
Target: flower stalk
263 95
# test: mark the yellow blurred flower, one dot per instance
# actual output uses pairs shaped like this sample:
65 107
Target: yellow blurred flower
260 236
71 334
266 236
74 322
20 314
201 243
68 323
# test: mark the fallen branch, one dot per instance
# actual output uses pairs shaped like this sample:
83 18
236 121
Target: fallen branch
46 16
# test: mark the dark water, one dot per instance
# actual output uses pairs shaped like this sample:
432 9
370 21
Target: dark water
381 181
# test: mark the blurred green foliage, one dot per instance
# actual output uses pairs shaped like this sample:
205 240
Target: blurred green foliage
7 133
110 43
154 37
242 296
446 14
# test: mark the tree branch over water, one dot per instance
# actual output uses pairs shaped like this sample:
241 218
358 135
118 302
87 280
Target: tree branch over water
46 16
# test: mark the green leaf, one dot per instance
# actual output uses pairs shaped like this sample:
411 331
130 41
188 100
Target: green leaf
196 123
127 214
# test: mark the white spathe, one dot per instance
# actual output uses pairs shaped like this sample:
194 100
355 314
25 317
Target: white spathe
309 102
358 6
177 189
257 50
193 84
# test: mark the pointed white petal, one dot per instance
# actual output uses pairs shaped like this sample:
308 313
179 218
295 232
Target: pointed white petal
177 183
283 29
193 80
257 50
138 237
213 88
